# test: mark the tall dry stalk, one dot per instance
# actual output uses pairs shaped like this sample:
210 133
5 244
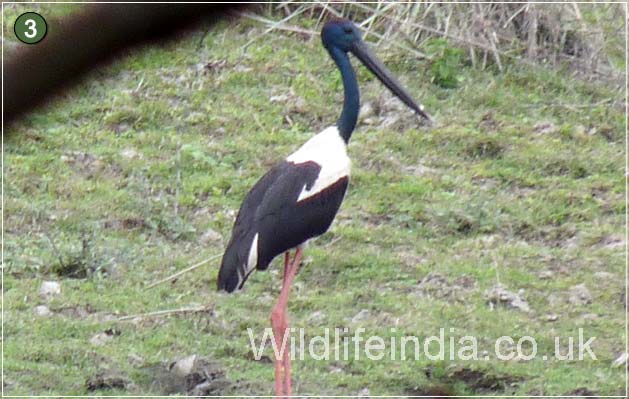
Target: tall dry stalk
586 37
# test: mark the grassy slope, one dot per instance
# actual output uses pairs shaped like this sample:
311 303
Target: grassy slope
485 196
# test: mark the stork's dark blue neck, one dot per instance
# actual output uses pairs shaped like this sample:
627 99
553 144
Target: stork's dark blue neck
351 104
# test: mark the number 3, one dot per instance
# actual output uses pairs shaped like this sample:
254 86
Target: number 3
32 28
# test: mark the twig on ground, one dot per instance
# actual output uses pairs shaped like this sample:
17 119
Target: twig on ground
160 313
179 273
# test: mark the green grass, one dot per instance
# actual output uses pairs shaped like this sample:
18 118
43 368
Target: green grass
484 197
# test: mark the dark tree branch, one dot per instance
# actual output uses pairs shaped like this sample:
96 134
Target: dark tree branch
88 39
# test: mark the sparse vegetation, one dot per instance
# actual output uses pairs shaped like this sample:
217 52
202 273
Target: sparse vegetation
138 172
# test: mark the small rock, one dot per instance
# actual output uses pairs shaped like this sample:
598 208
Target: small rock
545 275
42 310
201 389
371 121
282 98
129 153
580 295
367 110
213 387
498 295
211 236
622 360
552 317
185 366
360 316
49 289
364 393
102 338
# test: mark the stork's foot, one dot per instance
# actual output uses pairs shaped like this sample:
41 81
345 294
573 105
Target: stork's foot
280 328
279 368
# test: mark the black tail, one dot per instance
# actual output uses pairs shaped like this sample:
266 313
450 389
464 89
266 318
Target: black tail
228 277
233 272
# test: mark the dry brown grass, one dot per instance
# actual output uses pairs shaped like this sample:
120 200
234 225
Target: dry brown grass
587 38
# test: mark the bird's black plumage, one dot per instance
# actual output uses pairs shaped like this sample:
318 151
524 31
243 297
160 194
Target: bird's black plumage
272 211
281 211
299 198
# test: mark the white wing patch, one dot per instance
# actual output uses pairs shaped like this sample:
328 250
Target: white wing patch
252 259
328 150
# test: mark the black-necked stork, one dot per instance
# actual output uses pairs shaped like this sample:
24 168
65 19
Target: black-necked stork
298 198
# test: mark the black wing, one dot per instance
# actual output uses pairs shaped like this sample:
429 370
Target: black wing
271 211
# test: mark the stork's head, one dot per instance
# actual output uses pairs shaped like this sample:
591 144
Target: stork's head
342 34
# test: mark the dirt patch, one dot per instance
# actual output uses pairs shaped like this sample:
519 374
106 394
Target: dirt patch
545 127
499 296
612 241
482 381
83 312
262 359
488 123
582 392
565 167
579 295
561 236
89 165
478 380
76 311
436 391
435 285
130 223
203 377
486 147
107 380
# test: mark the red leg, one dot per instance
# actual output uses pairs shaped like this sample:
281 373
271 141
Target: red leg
280 325
288 391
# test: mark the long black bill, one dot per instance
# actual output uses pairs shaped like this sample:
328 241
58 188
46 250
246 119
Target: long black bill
362 52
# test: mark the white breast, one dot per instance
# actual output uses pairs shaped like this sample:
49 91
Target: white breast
328 150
